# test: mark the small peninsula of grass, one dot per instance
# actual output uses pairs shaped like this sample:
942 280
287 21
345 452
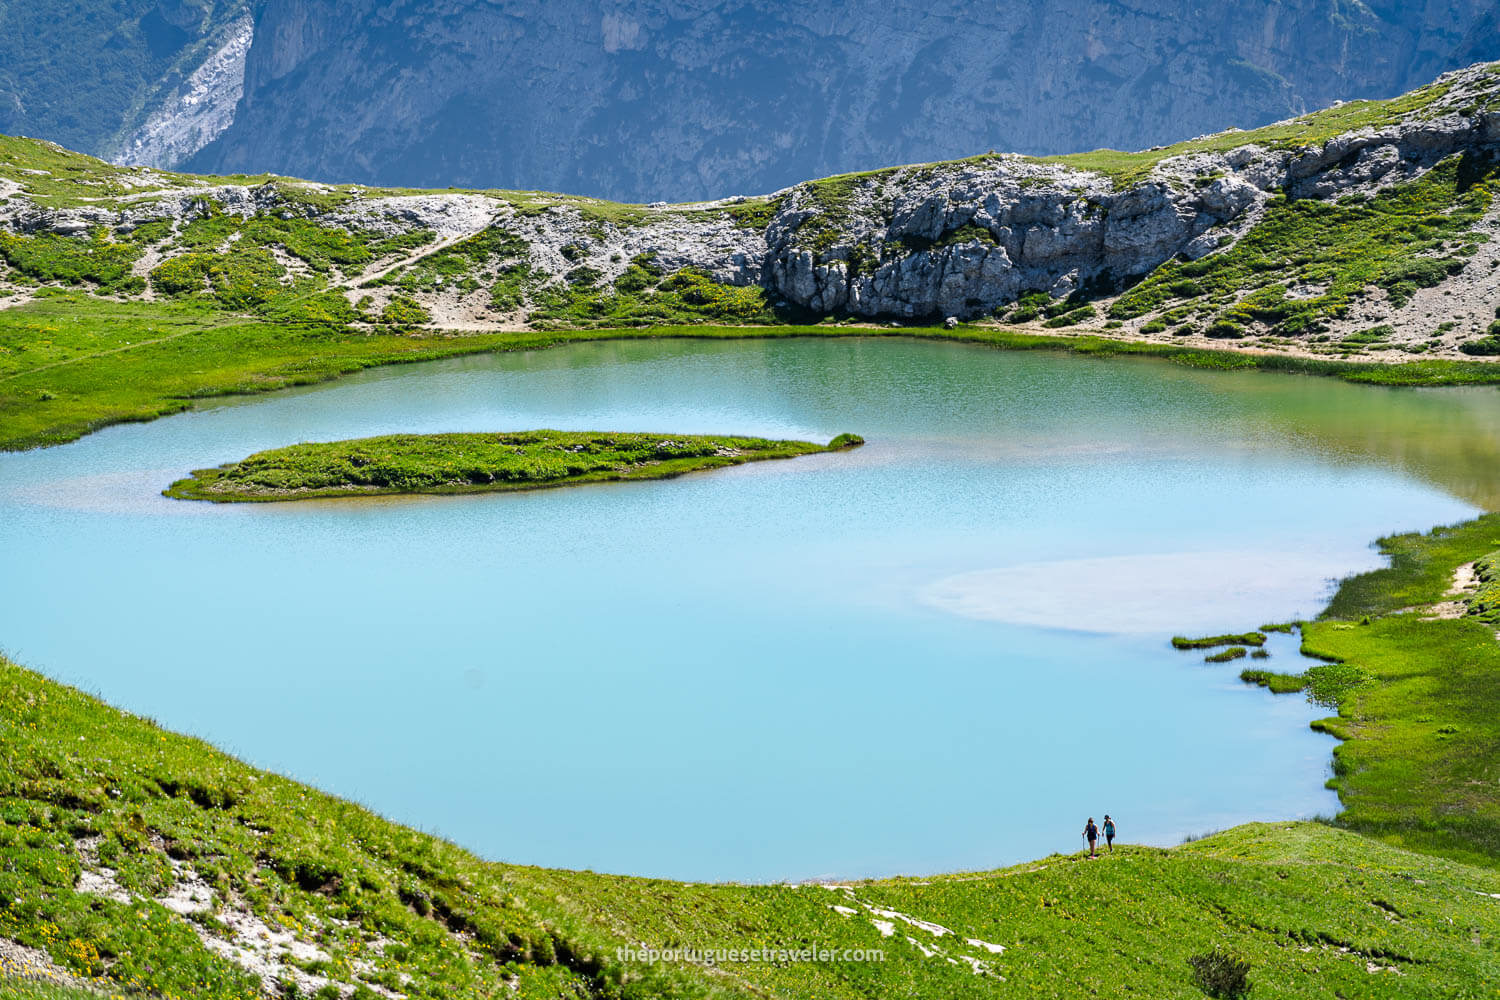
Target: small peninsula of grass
476 463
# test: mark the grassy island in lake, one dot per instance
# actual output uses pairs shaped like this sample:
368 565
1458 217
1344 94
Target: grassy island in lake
476 463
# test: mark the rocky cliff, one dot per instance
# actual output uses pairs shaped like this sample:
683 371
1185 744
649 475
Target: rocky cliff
116 77
687 99
1364 228
680 99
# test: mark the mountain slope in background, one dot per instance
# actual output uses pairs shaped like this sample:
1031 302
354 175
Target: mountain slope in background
1364 229
93 75
685 99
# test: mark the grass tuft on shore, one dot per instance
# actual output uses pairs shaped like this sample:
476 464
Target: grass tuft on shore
1210 641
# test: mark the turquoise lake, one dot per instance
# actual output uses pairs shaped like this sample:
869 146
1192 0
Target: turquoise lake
944 650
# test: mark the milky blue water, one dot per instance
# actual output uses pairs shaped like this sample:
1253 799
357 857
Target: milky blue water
944 650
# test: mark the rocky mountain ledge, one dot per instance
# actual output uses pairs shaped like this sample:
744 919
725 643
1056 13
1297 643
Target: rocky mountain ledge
1364 228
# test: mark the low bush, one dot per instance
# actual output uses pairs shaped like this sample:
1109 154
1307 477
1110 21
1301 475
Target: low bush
404 313
1485 603
1072 318
1220 974
96 260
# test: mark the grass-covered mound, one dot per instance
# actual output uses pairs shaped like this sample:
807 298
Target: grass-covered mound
477 463
143 859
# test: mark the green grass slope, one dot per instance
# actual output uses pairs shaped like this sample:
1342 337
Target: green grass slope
107 823
1409 236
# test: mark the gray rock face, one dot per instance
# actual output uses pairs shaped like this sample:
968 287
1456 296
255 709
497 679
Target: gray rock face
1016 226
640 100
195 112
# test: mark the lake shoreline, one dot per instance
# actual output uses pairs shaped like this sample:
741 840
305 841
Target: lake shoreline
242 376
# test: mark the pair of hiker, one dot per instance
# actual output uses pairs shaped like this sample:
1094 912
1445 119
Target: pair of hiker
1091 834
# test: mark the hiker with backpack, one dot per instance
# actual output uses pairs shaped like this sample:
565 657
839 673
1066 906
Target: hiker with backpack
1109 833
1091 834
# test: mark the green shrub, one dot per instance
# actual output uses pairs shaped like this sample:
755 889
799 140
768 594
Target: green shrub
1403 278
1329 683
1489 344
182 275
246 277
1232 653
1072 318
584 276
404 313
97 259
1485 602
1224 329
1373 335
1221 975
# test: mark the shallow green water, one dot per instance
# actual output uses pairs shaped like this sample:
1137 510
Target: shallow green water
944 650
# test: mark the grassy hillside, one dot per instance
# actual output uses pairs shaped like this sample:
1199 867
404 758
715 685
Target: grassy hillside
1308 261
140 857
